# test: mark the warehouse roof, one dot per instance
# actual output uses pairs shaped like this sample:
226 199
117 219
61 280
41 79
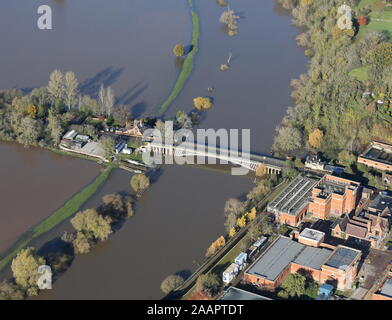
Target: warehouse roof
276 258
342 257
312 257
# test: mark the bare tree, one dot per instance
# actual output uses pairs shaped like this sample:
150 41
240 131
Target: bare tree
56 86
70 89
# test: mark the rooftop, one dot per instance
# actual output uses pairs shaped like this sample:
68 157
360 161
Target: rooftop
386 289
295 197
276 258
380 202
239 294
312 234
379 152
342 258
284 251
312 257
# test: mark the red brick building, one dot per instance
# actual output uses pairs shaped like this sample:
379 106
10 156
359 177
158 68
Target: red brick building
378 155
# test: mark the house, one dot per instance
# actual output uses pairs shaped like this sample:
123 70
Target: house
314 162
119 146
333 196
285 256
378 155
70 135
230 273
385 291
311 237
369 226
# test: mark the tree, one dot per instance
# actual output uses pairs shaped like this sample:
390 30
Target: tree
233 209
54 127
106 100
208 284
25 269
316 138
10 291
202 103
122 114
183 121
229 18
171 283
107 144
30 131
56 86
82 243
362 21
241 222
140 182
252 214
261 170
294 285
179 50
217 244
31 111
70 89
287 139
92 224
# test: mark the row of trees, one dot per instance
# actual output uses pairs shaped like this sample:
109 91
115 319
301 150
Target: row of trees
331 114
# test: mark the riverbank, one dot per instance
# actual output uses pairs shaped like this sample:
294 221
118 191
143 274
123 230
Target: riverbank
67 210
188 62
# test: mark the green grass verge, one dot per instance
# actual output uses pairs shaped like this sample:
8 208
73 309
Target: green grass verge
188 63
360 73
58 216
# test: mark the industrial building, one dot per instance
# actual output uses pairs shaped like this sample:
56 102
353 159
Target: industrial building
291 205
338 267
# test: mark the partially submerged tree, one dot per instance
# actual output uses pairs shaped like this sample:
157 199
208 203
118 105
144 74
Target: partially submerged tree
202 103
171 283
179 50
140 182
25 269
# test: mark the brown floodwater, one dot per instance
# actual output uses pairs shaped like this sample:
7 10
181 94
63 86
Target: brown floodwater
128 44
33 184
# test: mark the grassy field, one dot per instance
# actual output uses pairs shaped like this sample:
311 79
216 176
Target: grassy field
67 210
188 63
380 19
359 73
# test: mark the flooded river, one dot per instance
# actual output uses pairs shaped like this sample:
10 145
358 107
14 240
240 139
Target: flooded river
127 44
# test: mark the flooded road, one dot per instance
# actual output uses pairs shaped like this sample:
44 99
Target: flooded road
128 44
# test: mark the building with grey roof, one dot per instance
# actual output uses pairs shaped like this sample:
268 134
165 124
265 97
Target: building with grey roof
385 292
276 259
238 294
285 256
312 258
293 201
342 258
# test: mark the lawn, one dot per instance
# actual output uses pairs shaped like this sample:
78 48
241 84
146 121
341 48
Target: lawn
359 73
379 20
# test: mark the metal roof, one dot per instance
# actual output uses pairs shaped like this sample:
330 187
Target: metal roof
342 258
386 289
277 257
312 257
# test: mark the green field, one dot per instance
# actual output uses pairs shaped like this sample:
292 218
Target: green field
67 210
380 19
188 63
